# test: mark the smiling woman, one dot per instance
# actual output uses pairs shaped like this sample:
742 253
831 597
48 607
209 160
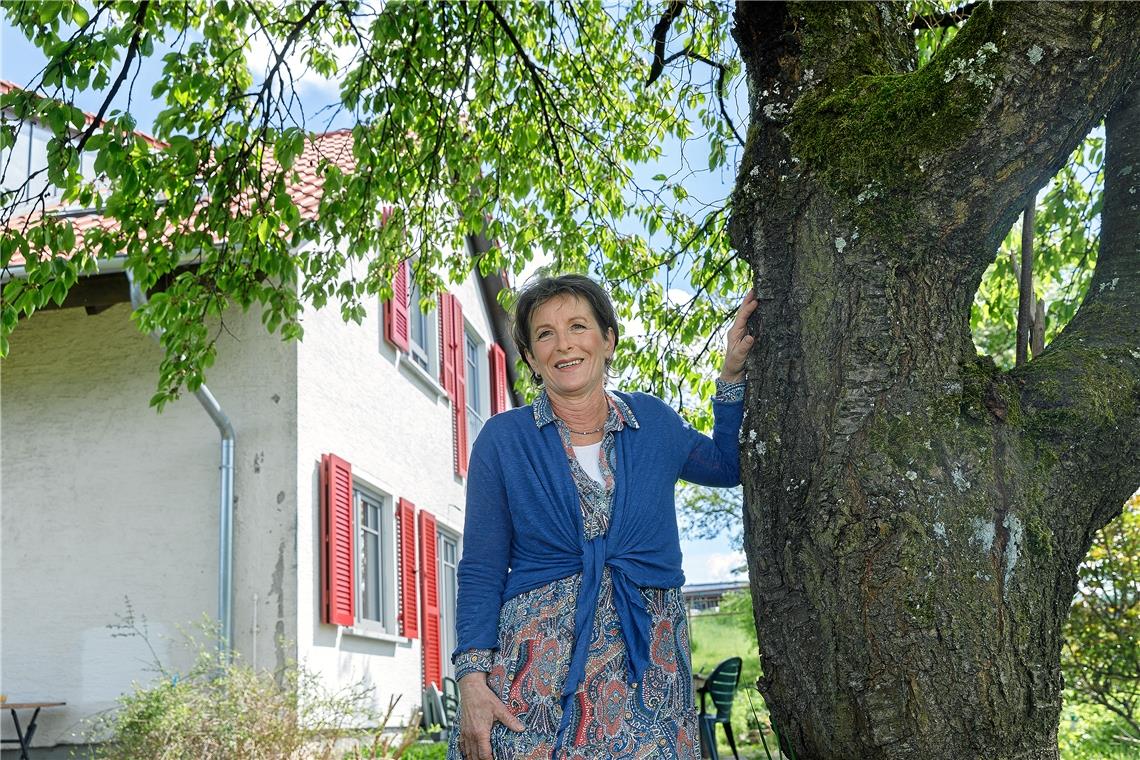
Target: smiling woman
572 637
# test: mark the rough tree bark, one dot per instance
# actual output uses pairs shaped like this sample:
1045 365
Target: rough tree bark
914 516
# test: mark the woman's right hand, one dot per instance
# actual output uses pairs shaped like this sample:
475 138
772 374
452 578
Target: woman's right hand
479 709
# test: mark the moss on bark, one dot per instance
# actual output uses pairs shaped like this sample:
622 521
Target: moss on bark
871 136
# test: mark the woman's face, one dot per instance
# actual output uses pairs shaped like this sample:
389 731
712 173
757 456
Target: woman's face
567 346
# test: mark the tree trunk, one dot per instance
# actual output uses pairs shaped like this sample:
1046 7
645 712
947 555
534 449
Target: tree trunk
914 516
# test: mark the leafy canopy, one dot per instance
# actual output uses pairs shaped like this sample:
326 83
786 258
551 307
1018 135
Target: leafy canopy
524 122
533 124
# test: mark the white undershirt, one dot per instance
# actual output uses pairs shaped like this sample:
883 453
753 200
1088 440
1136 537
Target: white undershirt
588 457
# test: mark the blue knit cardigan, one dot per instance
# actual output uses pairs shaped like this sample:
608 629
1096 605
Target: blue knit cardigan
523 524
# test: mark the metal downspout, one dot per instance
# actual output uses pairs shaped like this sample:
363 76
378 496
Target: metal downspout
226 501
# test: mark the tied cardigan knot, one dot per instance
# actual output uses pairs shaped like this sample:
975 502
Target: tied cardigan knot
633 618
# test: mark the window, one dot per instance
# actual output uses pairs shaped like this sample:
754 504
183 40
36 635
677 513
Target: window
27 157
448 583
476 412
38 160
371 558
364 537
376 566
421 330
15 166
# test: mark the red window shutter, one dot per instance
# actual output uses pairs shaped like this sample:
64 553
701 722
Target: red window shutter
397 324
498 363
429 590
459 405
446 339
338 589
409 621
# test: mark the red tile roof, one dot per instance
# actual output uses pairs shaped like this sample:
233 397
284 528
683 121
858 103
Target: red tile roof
334 147
7 87
306 192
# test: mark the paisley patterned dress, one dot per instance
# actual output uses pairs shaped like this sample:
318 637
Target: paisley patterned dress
611 717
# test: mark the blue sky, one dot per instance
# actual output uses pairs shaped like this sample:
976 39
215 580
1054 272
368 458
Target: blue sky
20 62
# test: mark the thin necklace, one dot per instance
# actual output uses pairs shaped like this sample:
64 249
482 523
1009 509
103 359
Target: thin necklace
598 429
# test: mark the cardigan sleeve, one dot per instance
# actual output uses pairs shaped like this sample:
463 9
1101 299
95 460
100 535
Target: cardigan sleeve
716 461
472 661
487 534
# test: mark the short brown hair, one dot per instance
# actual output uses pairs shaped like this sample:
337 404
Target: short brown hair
540 290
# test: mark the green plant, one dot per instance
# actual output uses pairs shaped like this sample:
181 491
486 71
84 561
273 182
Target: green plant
223 709
1091 732
432 751
1101 656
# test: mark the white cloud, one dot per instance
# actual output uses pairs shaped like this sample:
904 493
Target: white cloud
713 566
678 297
720 567
261 58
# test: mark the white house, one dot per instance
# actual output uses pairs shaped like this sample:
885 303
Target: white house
349 457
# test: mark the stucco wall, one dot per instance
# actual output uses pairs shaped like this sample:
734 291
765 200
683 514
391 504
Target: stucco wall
102 499
358 400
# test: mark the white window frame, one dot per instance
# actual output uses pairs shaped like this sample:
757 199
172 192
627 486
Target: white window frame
425 356
447 634
478 389
388 567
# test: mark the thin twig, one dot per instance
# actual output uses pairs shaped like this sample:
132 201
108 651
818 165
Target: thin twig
532 69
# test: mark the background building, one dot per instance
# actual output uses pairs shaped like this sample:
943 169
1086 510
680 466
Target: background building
349 466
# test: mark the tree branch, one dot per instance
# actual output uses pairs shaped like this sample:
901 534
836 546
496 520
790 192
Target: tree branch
660 31
1083 392
720 67
539 89
298 27
132 50
950 18
1037 90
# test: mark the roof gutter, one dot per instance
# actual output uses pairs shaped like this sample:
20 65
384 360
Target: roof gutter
102 266
226 500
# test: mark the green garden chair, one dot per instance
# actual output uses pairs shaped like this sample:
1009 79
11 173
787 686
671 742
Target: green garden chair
433 715
451 703
721 688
